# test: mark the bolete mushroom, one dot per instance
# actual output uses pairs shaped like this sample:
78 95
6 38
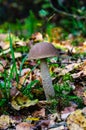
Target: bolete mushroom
42 51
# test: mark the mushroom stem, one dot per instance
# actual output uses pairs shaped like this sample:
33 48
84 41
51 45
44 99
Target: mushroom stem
46 80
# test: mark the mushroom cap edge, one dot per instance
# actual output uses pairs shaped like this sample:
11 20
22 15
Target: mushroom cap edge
42 50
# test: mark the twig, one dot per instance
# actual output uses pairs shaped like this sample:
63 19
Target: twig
68 14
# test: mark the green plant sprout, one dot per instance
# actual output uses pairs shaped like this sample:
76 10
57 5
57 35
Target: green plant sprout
64 95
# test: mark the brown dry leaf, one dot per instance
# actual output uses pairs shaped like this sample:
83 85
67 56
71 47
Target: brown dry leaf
24 126
26 77
84 94
84 97
37 37
82 70
5 43
79 67
67 111
84 110
43 124
69 68
37 75
24 80
80 91
65 45
3 63
14 91
77 118
82 66
5 121
20 101
40 113
25 71
77 75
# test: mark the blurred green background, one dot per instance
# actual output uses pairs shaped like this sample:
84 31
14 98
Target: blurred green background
24 17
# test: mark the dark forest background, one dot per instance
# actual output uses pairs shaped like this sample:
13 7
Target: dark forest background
69 14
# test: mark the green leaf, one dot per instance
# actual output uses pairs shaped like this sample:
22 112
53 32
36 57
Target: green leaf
43 13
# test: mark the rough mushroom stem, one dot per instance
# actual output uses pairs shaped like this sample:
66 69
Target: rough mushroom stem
46 80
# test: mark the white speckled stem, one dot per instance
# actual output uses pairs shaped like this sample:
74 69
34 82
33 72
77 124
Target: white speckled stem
46 80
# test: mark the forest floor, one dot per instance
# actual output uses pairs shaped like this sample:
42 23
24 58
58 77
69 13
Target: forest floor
23 105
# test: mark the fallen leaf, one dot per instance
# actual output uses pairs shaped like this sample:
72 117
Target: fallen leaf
24 126
4 45
14 91
42 125
5 121
77 75
69 68
55 117
74 126
84 110
17 55
80 92
37 75
25 78
25 71
84 97
3 63
67 111
20 43
37 37
78 118
5 42
5 52
20 101
40 113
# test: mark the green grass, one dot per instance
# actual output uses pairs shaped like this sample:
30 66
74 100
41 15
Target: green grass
13 74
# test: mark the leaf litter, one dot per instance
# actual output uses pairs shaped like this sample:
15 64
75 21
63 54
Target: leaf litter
36 113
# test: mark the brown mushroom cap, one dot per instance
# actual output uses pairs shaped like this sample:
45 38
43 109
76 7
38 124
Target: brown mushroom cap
42 50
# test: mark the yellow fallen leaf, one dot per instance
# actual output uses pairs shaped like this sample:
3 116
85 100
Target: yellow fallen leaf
77 118
20 101
5 121
74 126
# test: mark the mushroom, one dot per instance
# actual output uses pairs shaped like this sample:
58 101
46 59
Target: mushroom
42 51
